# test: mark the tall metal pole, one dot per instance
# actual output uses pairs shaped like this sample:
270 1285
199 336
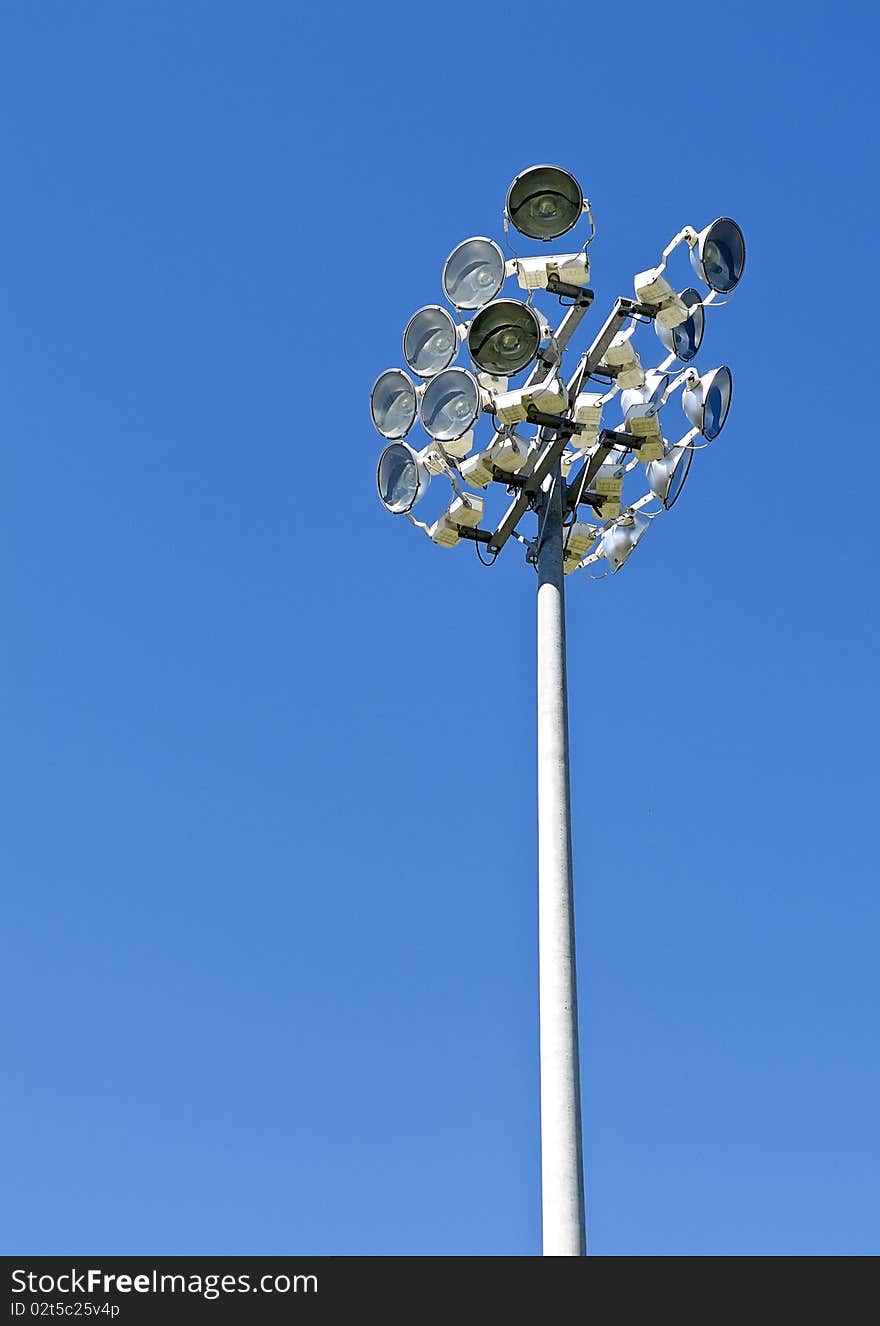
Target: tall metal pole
562 1173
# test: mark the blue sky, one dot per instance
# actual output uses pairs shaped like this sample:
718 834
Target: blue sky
268 850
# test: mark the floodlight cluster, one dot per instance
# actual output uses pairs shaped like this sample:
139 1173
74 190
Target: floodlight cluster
598 431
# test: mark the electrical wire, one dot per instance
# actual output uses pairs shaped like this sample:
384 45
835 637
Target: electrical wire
543 523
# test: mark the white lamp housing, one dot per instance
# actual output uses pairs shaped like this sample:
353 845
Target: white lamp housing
610 490
435 453
490 382
588 412
621 354
549 396
466 510
509 452
580 539
654 290
477 469
534 273
641 414
459 447
444 532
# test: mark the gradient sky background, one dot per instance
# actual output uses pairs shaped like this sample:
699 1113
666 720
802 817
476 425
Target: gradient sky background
268 844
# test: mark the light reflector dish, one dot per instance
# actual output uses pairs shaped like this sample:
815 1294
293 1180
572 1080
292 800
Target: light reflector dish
430 342
544 202
473 273
451 404
393 403
504 337
684 340
666 476
719 255
401 478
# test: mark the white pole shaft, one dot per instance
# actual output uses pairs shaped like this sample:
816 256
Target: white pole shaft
562 1173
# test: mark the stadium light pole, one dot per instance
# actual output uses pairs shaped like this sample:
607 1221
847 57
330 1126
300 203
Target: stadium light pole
562 1166
570 461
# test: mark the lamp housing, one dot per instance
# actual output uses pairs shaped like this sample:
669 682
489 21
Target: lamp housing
588 408
549 396
621 355
654 290
509 452
536 273
477 469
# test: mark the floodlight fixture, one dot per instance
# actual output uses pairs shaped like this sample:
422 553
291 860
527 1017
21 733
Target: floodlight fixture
451 404
402 478
538 273
641 413
588 408
393 405
621 356
718 255
473 273
607 484
666 476
439 455
544 202
478 469
620 540
465 512
706 400
504 337
654 290
509 451
547 397
684 340
430 341
651 390
580 537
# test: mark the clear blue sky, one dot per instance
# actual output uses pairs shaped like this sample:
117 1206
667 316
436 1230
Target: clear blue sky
267 784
